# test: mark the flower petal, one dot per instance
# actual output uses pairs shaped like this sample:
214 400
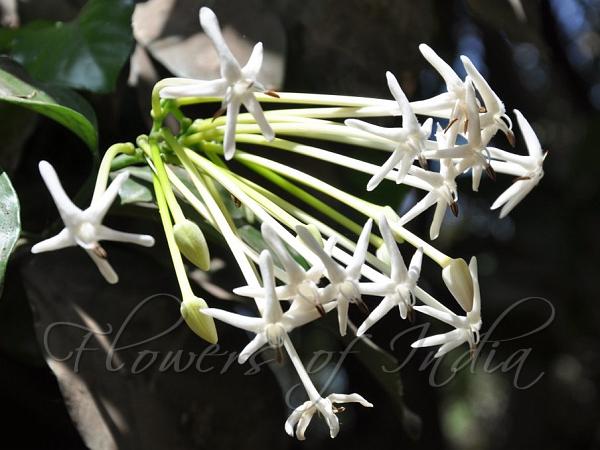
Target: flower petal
253 324
252 67
253 346
233 109
230 69
255 109
531 140
104 267
380 310
61 240
66 208
108 234
196 88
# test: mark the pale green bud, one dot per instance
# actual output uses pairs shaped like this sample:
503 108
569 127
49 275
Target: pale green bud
201 324
458 279
192 244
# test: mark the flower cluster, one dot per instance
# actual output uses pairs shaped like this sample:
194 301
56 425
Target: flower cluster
309 267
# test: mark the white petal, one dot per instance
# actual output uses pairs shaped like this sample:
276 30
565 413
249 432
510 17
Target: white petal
449 346
233 109
196 88
292 268
476 310
254 345
254 63
230 69
399 272
386 168
67 210
61 240
349 398
273 310
438 339
516 199
492 103
108 234
104 267
438 217
510 192
294 417
360 252
449 318
450 77
405 165
100 206
334 272
474 125
255 109
303 424
414 269
253 324
380 310
393 134
418 208
342 308
531 140
409 120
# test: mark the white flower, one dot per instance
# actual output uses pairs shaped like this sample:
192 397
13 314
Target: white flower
528 168
398 289
454 98
273 324
301 284
410 139
494 118
344 284
466 328
474 155
236 85
302 415
84 228
442 193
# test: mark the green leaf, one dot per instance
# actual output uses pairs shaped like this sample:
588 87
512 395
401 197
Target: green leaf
62 105
133 191
86 53
10 223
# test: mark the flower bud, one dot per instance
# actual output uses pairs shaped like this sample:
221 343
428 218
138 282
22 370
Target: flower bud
459 282
192 244
201 324
315 233
383 254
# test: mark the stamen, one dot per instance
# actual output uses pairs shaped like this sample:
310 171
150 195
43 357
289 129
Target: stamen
271 93
454 208
218 113
98 250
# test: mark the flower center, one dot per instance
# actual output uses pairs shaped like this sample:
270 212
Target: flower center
275 334
86 235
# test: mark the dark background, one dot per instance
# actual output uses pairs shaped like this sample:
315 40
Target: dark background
546 65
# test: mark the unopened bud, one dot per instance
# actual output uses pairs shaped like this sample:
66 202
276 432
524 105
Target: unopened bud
201 324
315 233
192 244
458 279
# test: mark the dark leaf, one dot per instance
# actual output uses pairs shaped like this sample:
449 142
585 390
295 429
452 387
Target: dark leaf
86 53
62 105
10 223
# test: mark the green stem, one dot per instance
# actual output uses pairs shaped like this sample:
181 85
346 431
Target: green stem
163 209
105 167
368 209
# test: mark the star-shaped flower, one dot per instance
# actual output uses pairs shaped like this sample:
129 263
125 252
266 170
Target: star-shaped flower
302 415
528 168
273 324
84 228
466 328
301 284
410 139
236 85
494 118
473 155
398 289
443 191
344 286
